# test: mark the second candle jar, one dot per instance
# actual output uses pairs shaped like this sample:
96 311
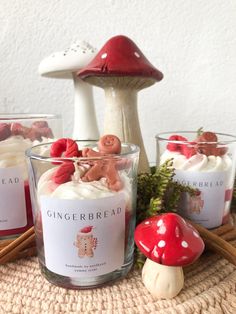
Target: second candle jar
85 211
205 162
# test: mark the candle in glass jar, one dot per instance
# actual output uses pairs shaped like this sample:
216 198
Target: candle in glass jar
18 132
85 211
205 162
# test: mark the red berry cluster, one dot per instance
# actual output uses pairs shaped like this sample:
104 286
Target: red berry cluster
107 145
37 130
67 148
185 147
206 144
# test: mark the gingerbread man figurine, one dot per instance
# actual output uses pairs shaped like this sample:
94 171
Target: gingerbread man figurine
107 145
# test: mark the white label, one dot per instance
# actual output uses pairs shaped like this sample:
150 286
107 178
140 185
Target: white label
12 199
207 207
72 251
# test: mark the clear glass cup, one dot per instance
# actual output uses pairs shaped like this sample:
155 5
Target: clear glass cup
18 132
84 230
208 167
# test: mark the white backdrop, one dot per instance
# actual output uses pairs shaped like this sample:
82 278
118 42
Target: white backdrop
192 42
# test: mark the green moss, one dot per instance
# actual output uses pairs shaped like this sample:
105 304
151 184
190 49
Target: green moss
158 193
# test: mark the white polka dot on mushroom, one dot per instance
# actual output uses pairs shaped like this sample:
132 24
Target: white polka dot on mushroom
161 243
104 55
159 223
184 244
196 234
137 54
161 230
147 223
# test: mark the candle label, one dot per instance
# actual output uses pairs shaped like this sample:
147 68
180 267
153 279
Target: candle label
83 238
12 199
206 207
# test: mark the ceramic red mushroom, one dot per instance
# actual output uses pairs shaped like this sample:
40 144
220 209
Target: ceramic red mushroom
122 70
169 243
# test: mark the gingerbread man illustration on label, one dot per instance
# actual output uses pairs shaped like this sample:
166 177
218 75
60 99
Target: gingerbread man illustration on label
85 242
195 203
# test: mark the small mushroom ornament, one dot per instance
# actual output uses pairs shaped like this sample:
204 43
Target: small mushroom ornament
64 65
168 242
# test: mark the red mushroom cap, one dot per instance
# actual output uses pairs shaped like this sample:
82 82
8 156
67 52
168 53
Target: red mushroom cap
120 57
169 240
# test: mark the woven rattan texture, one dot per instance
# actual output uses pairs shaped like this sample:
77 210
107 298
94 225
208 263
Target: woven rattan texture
210 287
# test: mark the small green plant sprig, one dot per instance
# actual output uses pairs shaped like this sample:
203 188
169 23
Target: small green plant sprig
158 193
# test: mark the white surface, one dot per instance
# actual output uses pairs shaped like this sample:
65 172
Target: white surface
192 42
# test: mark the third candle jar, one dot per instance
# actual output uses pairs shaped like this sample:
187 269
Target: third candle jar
84 212
18 132
204 161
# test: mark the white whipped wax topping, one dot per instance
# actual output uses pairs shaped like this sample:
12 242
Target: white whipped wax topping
198 162
45 184
77 189
12 152
79 172
83 190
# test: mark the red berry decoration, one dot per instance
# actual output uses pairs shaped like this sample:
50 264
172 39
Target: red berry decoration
189 150
207 137
16 128
39 124
72 149
65 147
68 148
220 151
5 131
64 172
42 128
45 132
176 147
31 134
206 143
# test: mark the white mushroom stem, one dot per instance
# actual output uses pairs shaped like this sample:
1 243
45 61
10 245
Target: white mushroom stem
121 119
85 122
163 282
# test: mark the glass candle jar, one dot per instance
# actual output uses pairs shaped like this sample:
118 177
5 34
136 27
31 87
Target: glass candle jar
84 224
18 132
205 162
